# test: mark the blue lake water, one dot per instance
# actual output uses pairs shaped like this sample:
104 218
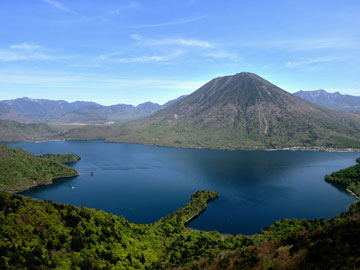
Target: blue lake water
145 183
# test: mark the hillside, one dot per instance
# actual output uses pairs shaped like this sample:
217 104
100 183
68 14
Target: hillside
15 131
334 101
21 170
243 111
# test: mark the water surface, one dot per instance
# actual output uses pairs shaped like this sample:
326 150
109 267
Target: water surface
145 183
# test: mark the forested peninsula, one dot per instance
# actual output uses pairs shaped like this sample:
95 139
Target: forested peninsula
21 170
349 178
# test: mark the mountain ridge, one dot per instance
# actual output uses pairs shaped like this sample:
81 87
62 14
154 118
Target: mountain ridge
336 100
28 110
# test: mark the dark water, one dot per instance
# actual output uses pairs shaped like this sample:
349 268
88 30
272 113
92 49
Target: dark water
145 183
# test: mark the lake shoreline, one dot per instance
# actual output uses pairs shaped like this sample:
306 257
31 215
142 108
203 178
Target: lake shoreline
353 194
290 148
50 182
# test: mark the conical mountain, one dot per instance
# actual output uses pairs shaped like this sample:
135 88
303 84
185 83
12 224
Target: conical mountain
244 111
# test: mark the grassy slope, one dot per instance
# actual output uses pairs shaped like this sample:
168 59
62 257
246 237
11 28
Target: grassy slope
21 170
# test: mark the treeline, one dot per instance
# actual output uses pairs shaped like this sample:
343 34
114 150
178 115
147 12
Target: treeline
21 169
62 158
349 178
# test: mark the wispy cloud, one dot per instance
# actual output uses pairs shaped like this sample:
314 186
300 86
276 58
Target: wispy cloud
306 62
120 9
318 43
222 54
57 5
26 52
26 46
176 41
7 56
144 58
175 22
207 49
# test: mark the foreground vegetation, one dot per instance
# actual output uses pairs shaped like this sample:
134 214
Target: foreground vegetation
349 178
46 235
21 170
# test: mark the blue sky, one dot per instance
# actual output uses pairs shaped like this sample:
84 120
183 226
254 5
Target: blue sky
136 51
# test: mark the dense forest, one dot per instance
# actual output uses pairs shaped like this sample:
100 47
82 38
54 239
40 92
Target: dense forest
349 178
21 169
47 235
62 158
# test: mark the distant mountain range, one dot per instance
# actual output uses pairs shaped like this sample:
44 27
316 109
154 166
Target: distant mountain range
335 100
27 110
243 111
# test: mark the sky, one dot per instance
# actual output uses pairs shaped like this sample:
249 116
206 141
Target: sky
120 51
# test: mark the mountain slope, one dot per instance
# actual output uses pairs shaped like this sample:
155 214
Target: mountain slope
244 111
15 131
335 100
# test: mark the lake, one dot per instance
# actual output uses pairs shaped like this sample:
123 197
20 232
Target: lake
145 183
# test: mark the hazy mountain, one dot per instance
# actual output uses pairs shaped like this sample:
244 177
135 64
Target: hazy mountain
15 131
119 112
28 110
243 111
335 100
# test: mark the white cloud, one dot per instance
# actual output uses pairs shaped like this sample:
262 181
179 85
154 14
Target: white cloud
57 5
26 46
152 58
179 21
296 64
222 54
209 49
136 36
179 42
318 43
15 55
